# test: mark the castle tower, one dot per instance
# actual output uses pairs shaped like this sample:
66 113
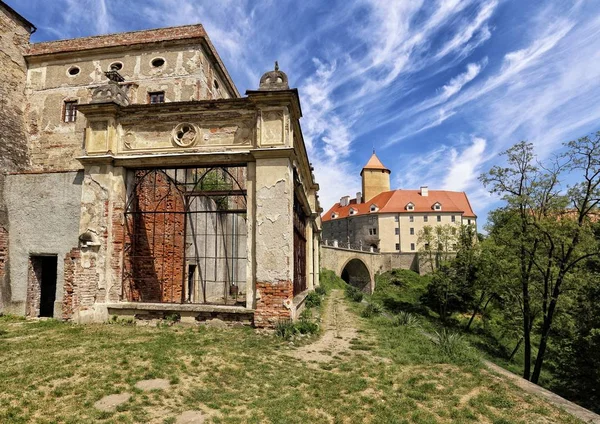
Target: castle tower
375 178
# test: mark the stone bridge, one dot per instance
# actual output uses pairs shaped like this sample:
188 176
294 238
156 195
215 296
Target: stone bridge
358 268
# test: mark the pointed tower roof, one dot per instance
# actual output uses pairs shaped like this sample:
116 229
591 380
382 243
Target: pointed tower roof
374 163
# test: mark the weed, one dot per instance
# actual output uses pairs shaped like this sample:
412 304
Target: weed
321 291
313 300
450 343
285 329
406 319
371 310
354 294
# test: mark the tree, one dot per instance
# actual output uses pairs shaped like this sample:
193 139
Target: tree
547 231
437 244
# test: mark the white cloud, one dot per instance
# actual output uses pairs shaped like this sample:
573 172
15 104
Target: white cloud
464 166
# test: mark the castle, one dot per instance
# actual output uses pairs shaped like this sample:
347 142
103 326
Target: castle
389 221
136 180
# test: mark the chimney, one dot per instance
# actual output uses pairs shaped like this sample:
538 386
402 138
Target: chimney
358 197
424 191
345 201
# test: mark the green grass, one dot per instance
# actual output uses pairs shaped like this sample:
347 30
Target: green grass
54 372
400 290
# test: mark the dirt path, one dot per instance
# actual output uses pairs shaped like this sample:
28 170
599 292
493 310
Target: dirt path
340 328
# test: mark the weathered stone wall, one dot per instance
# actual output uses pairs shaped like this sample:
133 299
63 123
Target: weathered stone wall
43 215
274 200
80 284
356 229
34 289
14 39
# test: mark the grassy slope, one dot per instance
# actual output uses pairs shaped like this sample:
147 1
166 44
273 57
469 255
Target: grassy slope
54 372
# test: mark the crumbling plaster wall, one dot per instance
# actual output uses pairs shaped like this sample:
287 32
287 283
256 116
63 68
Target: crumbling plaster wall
14 39
43 214
274 201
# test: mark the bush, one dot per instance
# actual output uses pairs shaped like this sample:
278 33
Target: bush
372 310
285 329
406 319
306 327
320 290
313 300
450 343
354 294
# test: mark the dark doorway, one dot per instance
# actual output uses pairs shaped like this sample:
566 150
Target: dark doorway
357 274
42 281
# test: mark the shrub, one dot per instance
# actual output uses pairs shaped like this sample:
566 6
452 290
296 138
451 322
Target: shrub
306 327
354 294
450 343
372 310
406 319
285 329
321 291
313 300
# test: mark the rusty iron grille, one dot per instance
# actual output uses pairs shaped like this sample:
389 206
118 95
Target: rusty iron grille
186 236
299 248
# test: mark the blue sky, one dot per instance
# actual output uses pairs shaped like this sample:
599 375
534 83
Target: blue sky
438 88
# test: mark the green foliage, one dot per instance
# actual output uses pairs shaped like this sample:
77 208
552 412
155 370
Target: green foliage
406 319
400 290
321 291
372 310
450 343
354 294
287 329
313 300
329 281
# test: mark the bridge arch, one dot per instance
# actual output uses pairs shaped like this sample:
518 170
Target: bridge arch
357 273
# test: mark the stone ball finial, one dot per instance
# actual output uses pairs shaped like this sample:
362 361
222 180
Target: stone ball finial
274 80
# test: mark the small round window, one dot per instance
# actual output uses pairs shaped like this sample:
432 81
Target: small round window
158 62
73 70
115 66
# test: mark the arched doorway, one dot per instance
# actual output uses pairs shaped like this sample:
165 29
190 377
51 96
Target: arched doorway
356 273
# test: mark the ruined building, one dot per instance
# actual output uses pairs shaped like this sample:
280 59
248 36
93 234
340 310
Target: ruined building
136 180
389 221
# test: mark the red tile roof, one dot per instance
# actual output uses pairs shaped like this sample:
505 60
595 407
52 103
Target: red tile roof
374 163
395 201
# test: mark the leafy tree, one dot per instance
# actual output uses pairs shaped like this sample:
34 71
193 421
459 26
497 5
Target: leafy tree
547 232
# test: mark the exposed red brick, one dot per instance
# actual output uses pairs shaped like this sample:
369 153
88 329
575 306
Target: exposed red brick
80 284
270 308
3 251
154 261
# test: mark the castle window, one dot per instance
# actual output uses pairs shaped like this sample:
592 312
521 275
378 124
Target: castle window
334 216
412 246
156 97
410 206
453 218
425 218
397 246
158 62
373 208
70 111
439 218
396 218
397 231
352 211
411 218
216 84
412 231
372 231
468 222
437 206
73 70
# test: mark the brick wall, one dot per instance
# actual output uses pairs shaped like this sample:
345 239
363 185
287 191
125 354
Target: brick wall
154 262
80 284
270 308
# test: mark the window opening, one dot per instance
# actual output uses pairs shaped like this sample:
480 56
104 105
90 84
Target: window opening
186 236
156 97
70 111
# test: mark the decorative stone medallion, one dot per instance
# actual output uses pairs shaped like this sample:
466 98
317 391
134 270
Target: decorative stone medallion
185 134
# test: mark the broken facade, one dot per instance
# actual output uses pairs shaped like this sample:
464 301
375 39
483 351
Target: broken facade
153 185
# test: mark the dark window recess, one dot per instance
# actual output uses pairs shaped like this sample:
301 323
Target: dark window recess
158 62
116 66
439 218
44 274
216 83
74 70
425 218
156 97
70 111
397 246
412 246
